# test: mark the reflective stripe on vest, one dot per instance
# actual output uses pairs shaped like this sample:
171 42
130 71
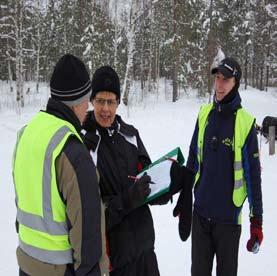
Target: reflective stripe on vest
19 134
202 122
47 256
243 123
42 236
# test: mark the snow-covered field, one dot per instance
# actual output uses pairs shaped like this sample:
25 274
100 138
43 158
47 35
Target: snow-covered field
162 126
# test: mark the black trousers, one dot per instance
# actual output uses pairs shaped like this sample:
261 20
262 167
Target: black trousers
145 265
22 273
211 239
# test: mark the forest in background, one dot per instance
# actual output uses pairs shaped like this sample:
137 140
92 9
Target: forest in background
144 40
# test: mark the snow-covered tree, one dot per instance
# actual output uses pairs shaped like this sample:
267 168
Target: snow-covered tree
6 41
143 40
194 61
98 37
17 33
130 34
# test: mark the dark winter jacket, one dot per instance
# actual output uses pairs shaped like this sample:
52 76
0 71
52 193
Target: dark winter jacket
120 153
214 190
78 188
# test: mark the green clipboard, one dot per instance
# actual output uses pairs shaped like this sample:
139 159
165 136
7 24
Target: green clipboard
159 171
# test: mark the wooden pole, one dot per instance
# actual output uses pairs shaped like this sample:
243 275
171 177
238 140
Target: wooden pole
271 140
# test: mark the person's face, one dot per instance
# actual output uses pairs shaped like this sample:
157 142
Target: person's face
105 105
80 110
223 86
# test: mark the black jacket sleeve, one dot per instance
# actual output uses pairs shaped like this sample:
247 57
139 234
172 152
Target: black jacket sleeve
116 209
143 156
78 184
252 173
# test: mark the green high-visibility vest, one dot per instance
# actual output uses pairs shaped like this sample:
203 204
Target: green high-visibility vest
41 213
243 124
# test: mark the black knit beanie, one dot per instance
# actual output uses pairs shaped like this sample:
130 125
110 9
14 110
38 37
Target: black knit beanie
70 82
105 79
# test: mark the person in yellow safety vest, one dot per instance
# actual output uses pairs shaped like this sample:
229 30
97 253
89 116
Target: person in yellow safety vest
224 157
57 195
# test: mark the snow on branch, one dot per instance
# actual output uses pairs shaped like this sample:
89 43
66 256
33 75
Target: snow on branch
271 10
5 36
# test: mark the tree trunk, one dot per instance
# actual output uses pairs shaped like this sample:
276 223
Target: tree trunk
115 37
267 61
157 66
246 69
253 75
261 86
211 52
267 77
142 58
130 54
91 41
150 56
38 46
175 55
19 57
10 75
142 84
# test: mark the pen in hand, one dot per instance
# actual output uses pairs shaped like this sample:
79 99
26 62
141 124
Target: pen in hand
137 178
171 159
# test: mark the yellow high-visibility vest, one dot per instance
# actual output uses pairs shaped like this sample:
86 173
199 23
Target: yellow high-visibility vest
41 213
243 124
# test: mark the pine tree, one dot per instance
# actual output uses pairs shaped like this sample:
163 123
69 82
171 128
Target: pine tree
51 46
98 38
194 60
260 44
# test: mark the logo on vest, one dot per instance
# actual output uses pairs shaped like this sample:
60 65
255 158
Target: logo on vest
227 142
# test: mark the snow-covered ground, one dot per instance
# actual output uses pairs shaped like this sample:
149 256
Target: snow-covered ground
162 126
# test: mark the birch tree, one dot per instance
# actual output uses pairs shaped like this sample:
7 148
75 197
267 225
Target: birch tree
130 34
38 42
116 36
176 53
18 24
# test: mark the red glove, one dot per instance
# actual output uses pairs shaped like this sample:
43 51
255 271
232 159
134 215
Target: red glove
256 235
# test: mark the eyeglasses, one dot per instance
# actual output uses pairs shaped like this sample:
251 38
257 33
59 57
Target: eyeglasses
102 102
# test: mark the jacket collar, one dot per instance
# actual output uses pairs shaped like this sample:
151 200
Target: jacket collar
228 107
63 112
